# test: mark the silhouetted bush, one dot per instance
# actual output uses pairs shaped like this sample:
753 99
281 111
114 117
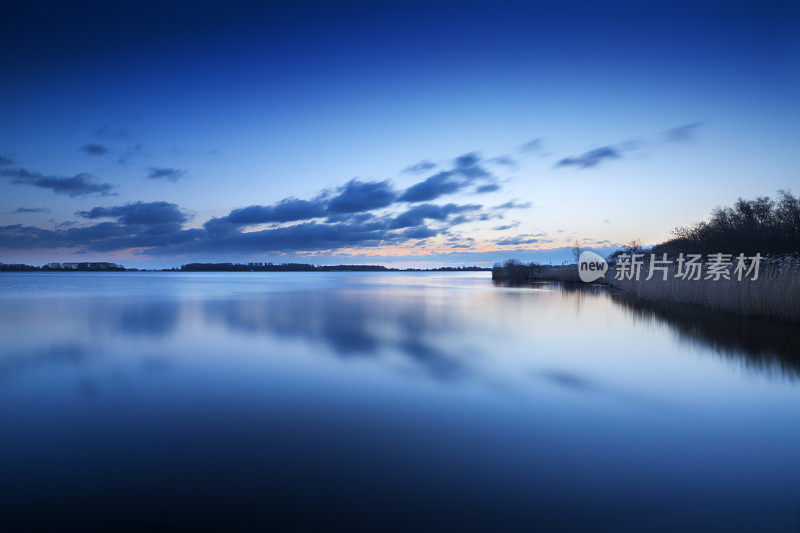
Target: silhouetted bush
766 226
515 272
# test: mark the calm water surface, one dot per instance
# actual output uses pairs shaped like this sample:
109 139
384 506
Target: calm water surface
424 401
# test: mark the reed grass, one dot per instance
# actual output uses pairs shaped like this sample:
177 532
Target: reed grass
774 295
516 272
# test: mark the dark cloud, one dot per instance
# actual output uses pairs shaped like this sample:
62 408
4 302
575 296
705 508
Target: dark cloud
468 166
350 217
5 160
350 204
29 210
147 213
94 149
489 187
536 145
147 225
102 237
417 215
431 188
308 236
77 185
513 204
516 241
590 159
287 210
419 168
524 238
18 236
684 133
156 229
356 196
137 225
419 232
331 221
171 174
506 226
466 169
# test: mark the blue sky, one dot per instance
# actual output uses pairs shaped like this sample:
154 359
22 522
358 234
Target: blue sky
160 133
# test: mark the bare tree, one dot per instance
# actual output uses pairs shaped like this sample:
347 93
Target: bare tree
576 250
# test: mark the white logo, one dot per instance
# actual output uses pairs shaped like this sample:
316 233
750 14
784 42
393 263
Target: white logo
591 266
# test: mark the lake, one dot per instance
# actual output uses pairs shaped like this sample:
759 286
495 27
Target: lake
387 401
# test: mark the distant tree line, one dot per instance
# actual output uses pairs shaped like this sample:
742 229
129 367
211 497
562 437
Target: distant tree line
228 267
270 267
303 267
17 267
453 269
64 267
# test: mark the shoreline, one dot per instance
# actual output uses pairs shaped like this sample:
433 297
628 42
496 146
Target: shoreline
229 267
775 296
177 271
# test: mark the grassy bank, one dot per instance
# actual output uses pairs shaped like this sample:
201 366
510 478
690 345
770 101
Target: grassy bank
774 295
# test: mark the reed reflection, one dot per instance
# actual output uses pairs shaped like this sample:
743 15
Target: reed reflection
760 345
764 346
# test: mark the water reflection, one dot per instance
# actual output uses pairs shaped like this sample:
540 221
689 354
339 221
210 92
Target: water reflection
761 345
346 324
371 324
431 403
14 362
140 317
574 382
350 325
151 316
